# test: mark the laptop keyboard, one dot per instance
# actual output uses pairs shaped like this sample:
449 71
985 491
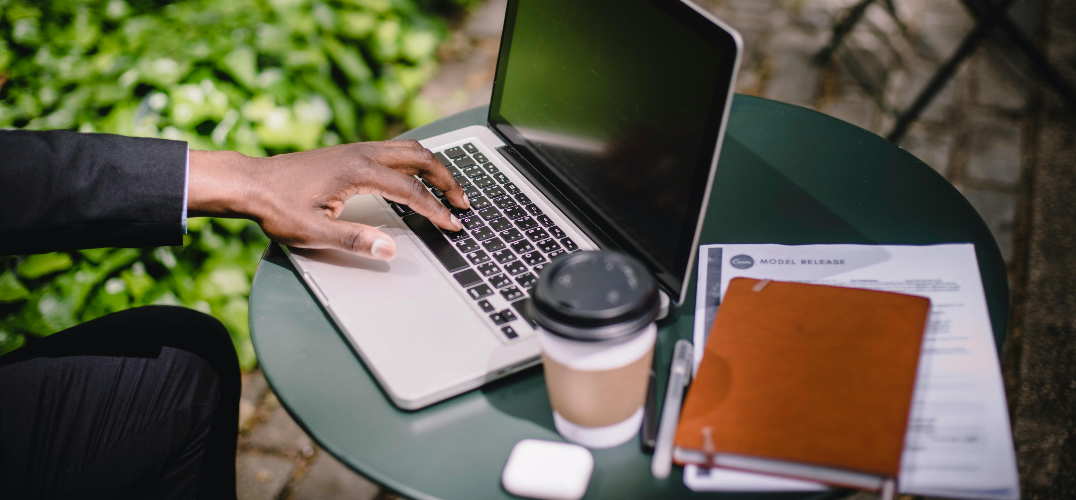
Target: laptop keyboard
506 238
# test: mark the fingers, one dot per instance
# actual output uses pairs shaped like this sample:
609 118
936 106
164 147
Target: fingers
409 191
356 238
409 157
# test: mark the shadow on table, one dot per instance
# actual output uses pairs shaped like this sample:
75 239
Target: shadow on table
523 396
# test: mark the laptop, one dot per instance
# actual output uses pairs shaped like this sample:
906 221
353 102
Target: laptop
603 132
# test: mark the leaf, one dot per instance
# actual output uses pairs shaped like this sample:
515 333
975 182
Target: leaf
36 266
10 339
348 60
138 281
95 255
10 288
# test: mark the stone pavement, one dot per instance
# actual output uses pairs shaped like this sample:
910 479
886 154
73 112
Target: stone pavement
1004 141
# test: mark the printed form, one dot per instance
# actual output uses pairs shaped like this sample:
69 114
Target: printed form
959 442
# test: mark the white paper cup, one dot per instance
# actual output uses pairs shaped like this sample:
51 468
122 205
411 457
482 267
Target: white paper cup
598 389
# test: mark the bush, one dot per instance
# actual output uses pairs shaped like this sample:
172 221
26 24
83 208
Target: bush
256 76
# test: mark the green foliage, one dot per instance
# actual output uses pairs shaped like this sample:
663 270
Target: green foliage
255 76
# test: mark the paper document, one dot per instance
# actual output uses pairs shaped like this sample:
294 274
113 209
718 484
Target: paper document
959 443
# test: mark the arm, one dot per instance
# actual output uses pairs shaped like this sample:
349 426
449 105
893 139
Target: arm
296 197
62 190
65 190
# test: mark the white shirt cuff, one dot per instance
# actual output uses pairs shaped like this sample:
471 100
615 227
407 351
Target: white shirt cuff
186 184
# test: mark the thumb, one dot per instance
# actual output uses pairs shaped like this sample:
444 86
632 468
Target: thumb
357 238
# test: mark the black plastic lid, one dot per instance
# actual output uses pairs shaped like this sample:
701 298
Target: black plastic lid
594 296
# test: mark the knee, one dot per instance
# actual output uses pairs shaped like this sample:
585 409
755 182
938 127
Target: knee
199 335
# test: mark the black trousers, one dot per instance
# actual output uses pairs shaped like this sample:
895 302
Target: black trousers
138 404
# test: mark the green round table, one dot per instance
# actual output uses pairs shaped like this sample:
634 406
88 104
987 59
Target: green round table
786 175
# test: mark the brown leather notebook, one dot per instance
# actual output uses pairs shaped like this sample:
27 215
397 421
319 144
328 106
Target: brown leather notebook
807 381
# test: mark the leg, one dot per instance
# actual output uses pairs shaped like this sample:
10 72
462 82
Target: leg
138 403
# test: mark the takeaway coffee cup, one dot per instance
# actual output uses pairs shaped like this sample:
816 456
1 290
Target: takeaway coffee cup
595 313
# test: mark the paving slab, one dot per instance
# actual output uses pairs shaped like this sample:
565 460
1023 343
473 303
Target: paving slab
261 477
328 479
995 152
281 434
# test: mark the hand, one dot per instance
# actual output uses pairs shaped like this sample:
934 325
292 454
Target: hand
297 197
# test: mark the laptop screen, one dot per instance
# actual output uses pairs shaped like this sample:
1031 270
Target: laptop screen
618 104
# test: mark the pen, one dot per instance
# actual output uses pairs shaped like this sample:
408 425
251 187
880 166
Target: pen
679 376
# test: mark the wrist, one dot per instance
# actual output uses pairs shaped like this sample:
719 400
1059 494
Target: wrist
220 184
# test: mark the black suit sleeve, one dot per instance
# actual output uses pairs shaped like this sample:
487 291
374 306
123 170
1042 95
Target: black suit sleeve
62 190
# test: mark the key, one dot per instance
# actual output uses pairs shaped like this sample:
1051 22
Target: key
477 257
515 267
499 281
401 210
511 235
489 213
522 246
511 188
556 232
471 192
526 223
545 220
501 178
436 242
526 280
467 245
522 198
538 267
441 158
504 256
461 213
509 332
533 258
468 278
480 291
508 315
464 162
493 244
500 224
479 202
504 203
536 234
483 233
548 245
470 148
554 253
515 213
497 319
486 306
569 244
511 294
455 152
488 269
493 191
479 157
521 307
534 210
456 236
454 171
473 171
491 168
472 223
484 182
437 192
